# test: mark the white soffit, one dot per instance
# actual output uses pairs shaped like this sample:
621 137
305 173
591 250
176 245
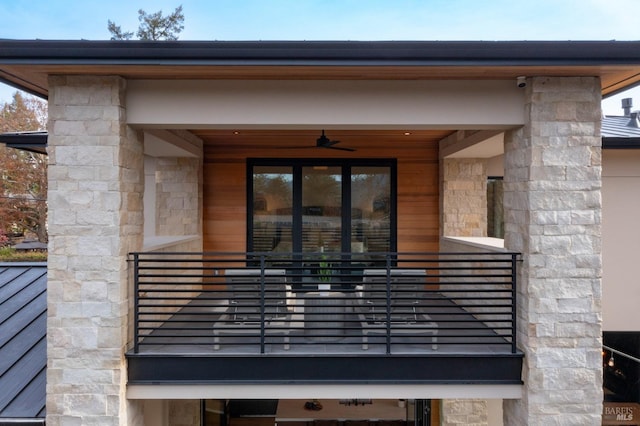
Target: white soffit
161 143
228 391
488 148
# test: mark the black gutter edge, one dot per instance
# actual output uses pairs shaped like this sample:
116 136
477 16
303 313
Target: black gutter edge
390 53
21 422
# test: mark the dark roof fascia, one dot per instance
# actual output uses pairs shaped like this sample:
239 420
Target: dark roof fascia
620 143
329 53
26 141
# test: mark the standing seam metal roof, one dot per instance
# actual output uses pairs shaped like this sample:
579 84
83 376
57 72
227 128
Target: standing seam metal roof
23 347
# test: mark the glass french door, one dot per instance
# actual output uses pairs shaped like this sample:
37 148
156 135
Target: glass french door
321 206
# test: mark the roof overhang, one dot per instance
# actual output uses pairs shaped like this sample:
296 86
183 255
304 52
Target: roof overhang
620 143
26 64
26 141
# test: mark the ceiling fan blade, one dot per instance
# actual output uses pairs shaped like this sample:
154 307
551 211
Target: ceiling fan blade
341 148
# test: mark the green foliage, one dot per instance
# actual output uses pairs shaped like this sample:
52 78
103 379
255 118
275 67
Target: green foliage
116 31
9 254
324 272
153 26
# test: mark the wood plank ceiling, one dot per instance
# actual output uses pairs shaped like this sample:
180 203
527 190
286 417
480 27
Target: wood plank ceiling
295 139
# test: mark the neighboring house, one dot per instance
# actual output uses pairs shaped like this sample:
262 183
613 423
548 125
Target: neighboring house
621 243
167 157
23 346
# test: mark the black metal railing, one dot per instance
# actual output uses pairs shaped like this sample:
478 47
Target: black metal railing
324 302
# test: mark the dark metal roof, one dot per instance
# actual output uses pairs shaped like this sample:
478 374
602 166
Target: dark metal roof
320 52
618 134
30 245
23 347
27 141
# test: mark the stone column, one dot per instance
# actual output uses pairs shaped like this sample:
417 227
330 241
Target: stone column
464 412
464 197
552 216
95 219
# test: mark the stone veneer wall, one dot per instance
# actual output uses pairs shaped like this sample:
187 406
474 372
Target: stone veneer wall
95 219
464 197
552 216
177 197
179 192
464 412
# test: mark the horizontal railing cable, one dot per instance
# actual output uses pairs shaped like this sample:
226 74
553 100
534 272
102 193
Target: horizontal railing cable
221 303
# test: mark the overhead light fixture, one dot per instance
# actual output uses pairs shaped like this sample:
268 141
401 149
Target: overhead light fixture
611 362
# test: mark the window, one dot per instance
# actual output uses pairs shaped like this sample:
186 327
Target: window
495 208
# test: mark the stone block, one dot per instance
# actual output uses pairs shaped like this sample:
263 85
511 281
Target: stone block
85 404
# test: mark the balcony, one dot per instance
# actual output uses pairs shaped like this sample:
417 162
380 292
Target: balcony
275 318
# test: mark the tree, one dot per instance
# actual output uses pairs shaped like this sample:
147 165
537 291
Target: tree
23 114
23 175
153 26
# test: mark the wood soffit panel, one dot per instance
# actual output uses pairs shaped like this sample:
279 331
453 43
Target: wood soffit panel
302 139
34 77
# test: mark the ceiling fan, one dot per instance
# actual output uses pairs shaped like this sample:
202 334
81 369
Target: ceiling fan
325 142
322 142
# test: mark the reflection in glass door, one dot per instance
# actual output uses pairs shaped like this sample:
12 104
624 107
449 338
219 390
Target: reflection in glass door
272 223
370 209
322 209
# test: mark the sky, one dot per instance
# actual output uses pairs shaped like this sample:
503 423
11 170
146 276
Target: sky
486 20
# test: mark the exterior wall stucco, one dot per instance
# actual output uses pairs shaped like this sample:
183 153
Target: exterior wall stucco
320 104
621 239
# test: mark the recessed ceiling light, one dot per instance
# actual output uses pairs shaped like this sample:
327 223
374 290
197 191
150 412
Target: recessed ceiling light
236 132
407 133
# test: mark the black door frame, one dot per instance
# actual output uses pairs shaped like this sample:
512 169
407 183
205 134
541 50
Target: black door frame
346 164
